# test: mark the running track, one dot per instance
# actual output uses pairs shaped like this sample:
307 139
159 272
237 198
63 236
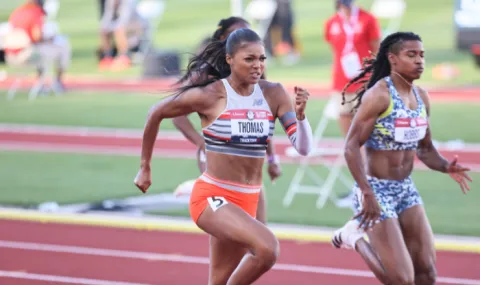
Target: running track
49 253
111 141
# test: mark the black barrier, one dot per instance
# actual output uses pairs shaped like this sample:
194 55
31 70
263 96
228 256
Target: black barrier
161 64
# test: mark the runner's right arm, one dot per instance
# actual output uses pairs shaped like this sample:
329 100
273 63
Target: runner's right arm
183 124
193 100
374 102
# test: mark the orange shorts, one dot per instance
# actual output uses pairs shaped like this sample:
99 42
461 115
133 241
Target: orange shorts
216 193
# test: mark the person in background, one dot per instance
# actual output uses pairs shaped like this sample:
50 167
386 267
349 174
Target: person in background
280 39
353 34
122 23
45 42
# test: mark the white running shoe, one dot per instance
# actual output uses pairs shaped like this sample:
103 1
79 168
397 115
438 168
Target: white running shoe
347 236
185 188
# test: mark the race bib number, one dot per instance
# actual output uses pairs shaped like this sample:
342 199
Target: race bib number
216 202
351 64
249 126
410 129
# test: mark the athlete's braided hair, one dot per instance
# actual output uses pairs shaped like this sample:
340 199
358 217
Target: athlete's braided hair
378 66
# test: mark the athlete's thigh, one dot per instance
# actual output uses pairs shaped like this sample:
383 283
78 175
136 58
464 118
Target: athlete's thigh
225 255
231 223
387 240
418 237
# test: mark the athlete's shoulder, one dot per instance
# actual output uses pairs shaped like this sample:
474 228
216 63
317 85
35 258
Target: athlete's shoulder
378 94
269 87
424 95
380 86
421 91
209 93
217 88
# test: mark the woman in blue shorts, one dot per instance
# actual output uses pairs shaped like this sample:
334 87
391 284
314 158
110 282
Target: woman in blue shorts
392 121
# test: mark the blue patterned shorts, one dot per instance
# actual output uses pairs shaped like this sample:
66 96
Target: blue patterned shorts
394 196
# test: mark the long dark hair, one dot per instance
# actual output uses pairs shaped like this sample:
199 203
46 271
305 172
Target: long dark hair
378 66
222 27
212 62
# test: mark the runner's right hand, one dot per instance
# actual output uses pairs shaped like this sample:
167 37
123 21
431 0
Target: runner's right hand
143 180
370 212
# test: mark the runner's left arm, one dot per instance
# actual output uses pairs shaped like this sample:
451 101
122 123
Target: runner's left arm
426 151
293 118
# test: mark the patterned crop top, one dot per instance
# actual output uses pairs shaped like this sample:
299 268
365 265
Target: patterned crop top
244 128
399 127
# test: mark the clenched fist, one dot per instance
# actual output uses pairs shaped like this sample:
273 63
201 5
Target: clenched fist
301 98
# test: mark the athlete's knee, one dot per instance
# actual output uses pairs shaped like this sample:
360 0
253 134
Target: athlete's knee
426 277
401 278
267 251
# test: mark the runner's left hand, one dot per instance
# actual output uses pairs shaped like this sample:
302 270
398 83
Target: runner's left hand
301 98
459 174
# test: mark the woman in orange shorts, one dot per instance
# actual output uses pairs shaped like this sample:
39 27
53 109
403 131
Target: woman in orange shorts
224 28
238 112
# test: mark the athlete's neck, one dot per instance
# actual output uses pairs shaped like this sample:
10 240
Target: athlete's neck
403 85
243 89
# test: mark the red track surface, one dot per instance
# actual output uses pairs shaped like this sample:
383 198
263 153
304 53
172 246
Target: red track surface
155 271
171 147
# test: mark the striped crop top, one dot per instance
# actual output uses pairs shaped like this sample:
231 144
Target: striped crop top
245 126
399 127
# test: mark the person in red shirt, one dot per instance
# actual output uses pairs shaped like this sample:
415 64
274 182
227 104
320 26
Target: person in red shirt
29 17
44 41
352 34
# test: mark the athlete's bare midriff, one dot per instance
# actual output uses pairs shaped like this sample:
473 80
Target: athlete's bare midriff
390 164
237 169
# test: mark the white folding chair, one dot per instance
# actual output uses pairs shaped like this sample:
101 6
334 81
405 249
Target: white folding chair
260 14
25 59
392 10
322 187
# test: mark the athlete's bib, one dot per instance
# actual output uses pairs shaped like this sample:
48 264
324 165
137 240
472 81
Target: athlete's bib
249 126
410 130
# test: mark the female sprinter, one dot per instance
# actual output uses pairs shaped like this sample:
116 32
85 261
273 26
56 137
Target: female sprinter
224 29
238 112
392 121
